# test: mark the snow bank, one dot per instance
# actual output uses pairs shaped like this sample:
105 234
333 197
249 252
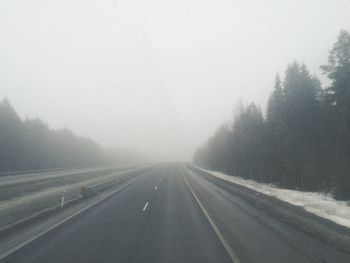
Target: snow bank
317 203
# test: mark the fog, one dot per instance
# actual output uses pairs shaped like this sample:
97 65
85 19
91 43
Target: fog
155 76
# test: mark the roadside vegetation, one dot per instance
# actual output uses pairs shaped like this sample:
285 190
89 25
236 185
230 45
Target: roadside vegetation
303 140
31 144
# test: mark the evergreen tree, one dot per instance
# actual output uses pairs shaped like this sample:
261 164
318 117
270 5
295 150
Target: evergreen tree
31 144
304 142
276 134
338 95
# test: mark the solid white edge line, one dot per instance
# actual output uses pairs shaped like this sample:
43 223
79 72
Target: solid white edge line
223 240
24 243
145 207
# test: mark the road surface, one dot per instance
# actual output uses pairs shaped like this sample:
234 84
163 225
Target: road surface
171 214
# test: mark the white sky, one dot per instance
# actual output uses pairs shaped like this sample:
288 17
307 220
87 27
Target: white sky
158 76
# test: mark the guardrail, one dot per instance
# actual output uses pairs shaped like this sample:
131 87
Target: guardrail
88 190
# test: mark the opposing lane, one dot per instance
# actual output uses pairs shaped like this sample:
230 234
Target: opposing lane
19 201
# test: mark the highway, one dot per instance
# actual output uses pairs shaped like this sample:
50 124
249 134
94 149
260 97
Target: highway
172 214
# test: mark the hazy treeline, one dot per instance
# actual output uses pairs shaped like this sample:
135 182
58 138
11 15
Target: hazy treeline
30 144
304 140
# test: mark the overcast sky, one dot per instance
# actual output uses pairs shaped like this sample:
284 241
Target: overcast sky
155 75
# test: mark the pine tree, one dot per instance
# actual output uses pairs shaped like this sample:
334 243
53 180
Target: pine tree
338 95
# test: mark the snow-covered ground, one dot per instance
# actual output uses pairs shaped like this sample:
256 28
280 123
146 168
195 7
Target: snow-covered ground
316 203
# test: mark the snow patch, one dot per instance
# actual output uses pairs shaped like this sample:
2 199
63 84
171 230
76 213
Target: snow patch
317 203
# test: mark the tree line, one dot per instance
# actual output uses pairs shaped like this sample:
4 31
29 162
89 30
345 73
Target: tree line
31 144
303 140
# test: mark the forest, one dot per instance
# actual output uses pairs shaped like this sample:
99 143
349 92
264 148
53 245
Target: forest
302 141
31 144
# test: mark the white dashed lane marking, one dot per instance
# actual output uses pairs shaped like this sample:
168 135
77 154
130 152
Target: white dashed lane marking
145 207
